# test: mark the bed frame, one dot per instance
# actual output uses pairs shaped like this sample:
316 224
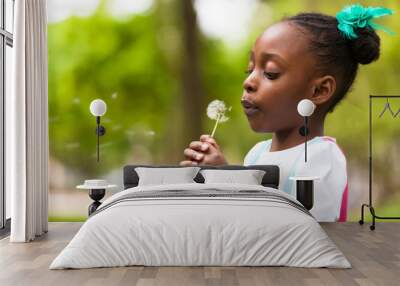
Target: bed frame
270 179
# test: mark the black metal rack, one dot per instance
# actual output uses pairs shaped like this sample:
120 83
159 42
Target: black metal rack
370 205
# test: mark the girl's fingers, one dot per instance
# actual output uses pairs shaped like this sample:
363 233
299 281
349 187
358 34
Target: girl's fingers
187 163
198 146
204 137
208 138
193 155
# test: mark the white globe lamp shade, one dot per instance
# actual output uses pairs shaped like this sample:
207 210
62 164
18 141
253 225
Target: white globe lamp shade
306 107
98 107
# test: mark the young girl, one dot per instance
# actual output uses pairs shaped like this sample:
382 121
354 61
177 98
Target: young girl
307 56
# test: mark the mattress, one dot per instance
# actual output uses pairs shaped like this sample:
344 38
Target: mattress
201 225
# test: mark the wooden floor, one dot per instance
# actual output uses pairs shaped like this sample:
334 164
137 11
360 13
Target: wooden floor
374 255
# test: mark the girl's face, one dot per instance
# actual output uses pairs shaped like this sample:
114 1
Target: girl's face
279 76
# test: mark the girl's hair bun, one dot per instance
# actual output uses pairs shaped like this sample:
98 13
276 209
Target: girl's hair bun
366 47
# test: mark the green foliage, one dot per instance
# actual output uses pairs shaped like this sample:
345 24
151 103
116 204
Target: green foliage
67 218
136 58
119 62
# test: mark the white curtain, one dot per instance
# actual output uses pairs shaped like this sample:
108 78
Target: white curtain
27 123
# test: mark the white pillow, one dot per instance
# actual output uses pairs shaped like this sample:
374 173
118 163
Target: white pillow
249 177
161 176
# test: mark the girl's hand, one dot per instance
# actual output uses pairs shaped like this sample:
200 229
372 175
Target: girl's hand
203 152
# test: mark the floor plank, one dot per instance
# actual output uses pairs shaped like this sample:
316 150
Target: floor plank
374 255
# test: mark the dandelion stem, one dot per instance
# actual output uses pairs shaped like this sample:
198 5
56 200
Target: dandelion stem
215 126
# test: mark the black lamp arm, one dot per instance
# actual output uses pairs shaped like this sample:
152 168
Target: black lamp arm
100 131
306 132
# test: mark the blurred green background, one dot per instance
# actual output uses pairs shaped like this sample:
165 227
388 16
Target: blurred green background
159 63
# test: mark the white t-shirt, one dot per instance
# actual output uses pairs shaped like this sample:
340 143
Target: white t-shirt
324 160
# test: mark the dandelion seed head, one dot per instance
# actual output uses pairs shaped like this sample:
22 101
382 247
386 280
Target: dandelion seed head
217 108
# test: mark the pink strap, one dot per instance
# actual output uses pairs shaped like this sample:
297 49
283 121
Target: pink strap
328 138
343 206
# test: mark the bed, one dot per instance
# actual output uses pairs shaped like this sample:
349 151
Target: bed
201 224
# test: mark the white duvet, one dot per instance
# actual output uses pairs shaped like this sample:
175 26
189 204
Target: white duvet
200 231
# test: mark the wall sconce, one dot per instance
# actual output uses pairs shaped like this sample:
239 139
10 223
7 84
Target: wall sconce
305 184
98 108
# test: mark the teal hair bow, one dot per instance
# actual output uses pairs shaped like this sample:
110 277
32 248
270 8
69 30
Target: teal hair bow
357 16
